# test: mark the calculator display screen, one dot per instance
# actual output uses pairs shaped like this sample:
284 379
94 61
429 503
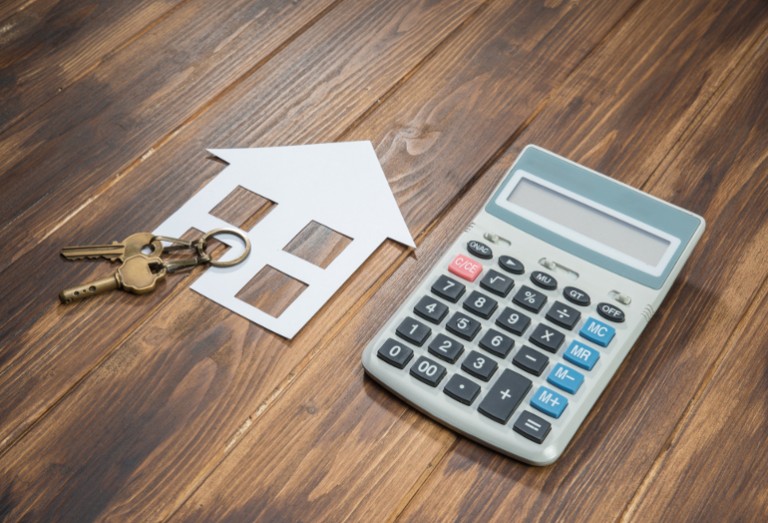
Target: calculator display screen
597 227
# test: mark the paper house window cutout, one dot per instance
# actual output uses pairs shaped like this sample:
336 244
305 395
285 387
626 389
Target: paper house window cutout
340 186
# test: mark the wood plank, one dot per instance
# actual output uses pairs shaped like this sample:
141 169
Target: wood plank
405 34
712 172
68 151
715 466
48 44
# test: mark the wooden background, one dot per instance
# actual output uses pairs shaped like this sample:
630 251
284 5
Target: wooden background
168 407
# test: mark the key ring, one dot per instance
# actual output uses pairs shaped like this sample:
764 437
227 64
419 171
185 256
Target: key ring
202 243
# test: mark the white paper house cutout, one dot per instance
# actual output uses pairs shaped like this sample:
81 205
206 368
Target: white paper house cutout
339 185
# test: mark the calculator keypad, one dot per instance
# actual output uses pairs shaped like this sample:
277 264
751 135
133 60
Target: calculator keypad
446 348
479 365
463 326
480 304
413 331
431 309
428 371
530 299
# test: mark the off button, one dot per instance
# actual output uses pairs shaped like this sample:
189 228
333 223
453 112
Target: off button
609 312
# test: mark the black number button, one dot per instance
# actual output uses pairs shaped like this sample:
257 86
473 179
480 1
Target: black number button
532 426
547 338
395 353
462 389
530 299
505 395
544 280
448 288
480 304
513 321
497 283
576 296
446 348
510 264
428 371
531 360
479 365
496 343
479 249
563 315
413 331
609 312
463 326
430 309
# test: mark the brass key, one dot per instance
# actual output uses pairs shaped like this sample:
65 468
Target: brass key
132 245
138 274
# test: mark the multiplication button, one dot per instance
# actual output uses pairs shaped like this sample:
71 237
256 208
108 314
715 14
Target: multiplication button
504 397
547 338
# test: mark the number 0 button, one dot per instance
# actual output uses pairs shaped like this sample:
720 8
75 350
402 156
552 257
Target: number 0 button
395 353
428 371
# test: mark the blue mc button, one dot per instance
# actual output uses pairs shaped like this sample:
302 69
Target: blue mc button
597 332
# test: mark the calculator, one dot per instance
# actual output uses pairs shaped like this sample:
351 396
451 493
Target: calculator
516 331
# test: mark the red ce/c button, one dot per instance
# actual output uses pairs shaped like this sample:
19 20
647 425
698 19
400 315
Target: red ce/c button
465 267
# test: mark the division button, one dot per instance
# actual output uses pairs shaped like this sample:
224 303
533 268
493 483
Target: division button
462 389
531 360
431 309
549 402
479 249
597 332
448 289
413 331
563 315
544 280
479 365
530 299
581 355
446 348
480 304
510 264
463 326
609 312
428 371
547 338
496 343
565 378
465 267
576 296
513 321
532 426
504 396
395 353
497 283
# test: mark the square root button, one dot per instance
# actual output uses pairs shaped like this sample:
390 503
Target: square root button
597 332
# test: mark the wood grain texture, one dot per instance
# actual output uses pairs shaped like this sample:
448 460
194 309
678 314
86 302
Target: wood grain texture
169 407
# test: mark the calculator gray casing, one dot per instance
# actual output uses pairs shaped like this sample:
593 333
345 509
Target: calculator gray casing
597 281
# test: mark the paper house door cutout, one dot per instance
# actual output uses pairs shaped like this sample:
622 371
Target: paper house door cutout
338 185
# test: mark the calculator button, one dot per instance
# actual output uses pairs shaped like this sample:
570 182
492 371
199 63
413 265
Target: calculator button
395 353
510 264
448 288
479 365
576 296
462 389
513 321
609 312
504 396
465 267
446 348
581 355
428 371
497 283
565 378
530 299
547 338
413 331
463 326
597 332
544 280
531 360
480 250
480 304
563 315
532 426
430 309
496 343
549 402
